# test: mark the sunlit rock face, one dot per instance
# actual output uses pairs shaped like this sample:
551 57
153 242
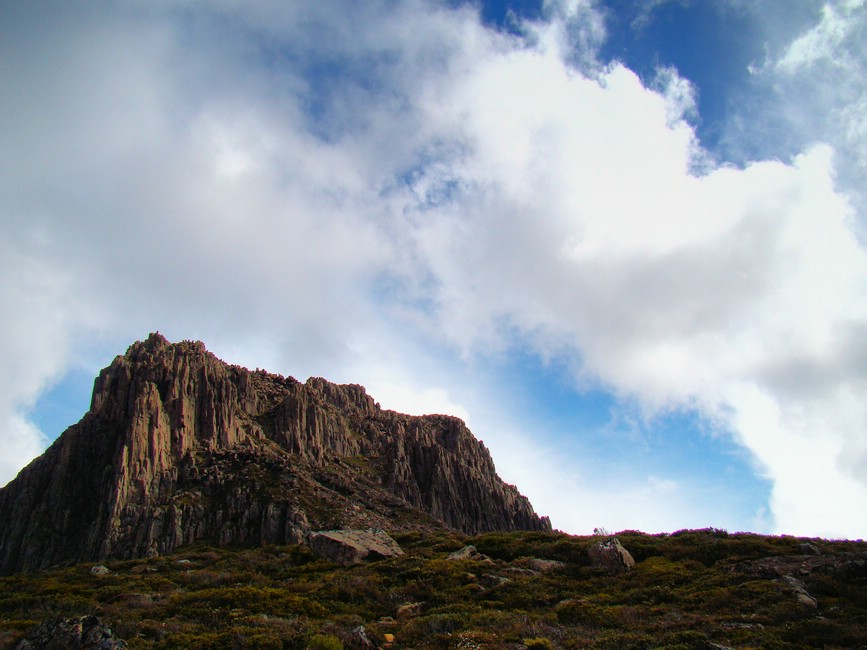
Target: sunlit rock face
179 446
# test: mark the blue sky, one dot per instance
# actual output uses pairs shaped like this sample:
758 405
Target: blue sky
624 240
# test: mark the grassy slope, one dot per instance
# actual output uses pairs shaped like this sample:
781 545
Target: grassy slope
687 591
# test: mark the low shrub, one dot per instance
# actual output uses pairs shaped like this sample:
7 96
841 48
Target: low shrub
324 642
284 597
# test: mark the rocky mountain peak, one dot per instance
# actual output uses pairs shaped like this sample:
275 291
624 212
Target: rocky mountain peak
179 446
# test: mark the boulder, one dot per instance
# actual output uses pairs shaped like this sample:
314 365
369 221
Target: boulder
348 547
359 640
85 633
799 589
490 581
809 549
540 565
610 555
468 553
408 610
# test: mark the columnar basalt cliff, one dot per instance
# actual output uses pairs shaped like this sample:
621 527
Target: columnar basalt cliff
178 446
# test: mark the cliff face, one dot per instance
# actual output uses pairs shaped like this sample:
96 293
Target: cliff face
178 446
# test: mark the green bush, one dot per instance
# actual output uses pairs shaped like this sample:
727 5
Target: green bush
324 642
200 641
255 640
540 643
547 546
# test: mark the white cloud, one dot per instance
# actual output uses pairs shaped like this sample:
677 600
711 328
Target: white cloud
679 95
580 224
34 344
21 440
644 11
823 41
194 170
806 446
813 88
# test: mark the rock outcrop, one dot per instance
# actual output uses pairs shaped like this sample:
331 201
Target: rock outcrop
179 446
838 566
85 633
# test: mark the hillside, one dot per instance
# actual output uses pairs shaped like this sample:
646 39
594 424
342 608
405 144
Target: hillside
692 589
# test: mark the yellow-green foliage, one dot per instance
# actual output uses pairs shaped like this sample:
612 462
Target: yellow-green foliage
325 642
688 590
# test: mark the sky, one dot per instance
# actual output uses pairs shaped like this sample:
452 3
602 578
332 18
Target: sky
623 239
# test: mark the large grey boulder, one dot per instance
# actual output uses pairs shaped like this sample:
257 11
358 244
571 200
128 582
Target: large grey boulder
348 547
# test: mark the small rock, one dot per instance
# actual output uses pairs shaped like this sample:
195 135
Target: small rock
359 639
518 571
143 568
806 600
543 566
99 570
469 552
408 610
491 580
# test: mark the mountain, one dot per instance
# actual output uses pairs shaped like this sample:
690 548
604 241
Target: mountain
179 446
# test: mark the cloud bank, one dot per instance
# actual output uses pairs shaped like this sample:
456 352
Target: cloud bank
384 194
